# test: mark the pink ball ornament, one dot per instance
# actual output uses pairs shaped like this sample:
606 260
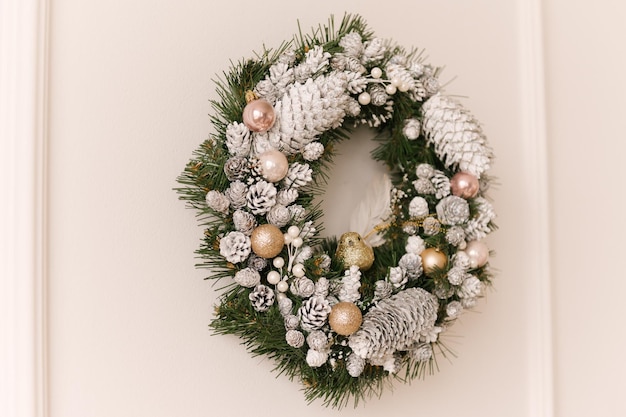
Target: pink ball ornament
259 115
273 165
477 252
464 185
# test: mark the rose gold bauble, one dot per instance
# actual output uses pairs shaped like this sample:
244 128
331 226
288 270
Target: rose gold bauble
259 115
433 259
267 240
273 165
345 318
464 185
477 252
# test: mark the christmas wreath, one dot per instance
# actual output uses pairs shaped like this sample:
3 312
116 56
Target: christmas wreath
342 315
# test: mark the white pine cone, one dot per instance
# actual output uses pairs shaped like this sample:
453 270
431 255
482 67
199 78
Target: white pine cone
411 129
321 287
261 197
452 210
262 298
298 213
285 305
236 168
418 207
373 50
397 276
470 288
302 287
286 197
235 247
294 338
315 61
457 275
456 135
315 358
395 323
425 171
431 85
424 186
454 309
343 62
431 226
412 264
291 322
355 365
352 44
402 75
422 352
256 262
278 215
461 260
378 95
281 75
217 201
355 82
350 284
248 277
244 222
478 226
305 253
317 340
441 183
383 289
236 194
455 235
298 175
313 313
267 90
238 139
312 151
430 335
415 244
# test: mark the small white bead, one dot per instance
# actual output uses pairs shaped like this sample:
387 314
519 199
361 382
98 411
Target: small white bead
404 87
288 239
273 277
364 98
282 286
396 82
297 242
293 231
391 89
298 270
278 262
376 72
280 296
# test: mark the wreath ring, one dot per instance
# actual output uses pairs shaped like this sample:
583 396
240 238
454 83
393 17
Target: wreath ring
344 316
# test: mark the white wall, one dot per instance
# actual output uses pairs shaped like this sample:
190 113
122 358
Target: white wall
128 313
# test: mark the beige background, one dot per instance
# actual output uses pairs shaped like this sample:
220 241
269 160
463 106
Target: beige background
127 312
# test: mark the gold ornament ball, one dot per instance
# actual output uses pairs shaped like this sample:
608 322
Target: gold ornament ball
345 318
432 260
267 241
352 250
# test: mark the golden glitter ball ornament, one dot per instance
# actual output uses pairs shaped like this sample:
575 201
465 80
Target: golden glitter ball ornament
352 250
267 240
345 318
433 260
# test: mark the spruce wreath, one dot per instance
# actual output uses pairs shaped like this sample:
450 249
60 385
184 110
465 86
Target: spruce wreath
343 316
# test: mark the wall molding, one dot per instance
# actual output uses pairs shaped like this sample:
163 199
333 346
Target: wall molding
23 133
534 132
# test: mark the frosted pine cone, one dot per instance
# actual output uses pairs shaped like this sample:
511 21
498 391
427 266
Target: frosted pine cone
352 44
291 322
412 264
378 95
397 276
298 213
278 215
422 352
304 255
316 60
425 171
261 197
455 235
285 305
315 358
235 247
411 129
286 197
256 262
322 287
373 50
313 151
294 338
238 139
355 365
441 183
317 340
452 210
383 289
431 226
217 201
470 288
395 324
418 207
248 277
350 284
313 313
302 287
456 135
298 175
244 222
415 244
457 275
454 309
479 226
236 194
236 168
262 298
424 186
